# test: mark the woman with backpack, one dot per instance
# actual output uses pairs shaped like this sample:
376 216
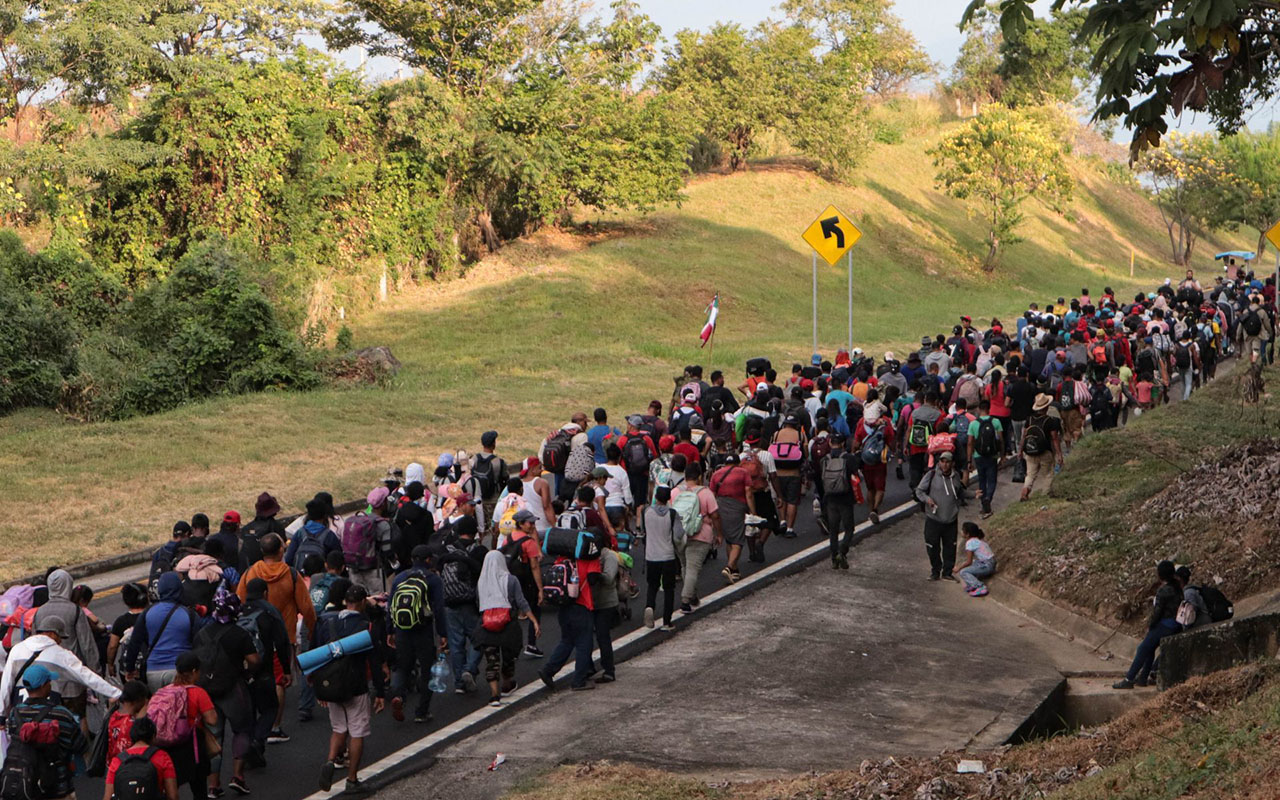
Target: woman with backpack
502 606
1162 622
873 440
182 711
142 769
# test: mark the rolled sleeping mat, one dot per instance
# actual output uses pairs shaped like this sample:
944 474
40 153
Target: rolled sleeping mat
314 659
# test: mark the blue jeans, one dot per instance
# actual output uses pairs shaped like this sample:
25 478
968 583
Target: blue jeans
414 646
576 630
986 467
1146 656
462 650
973 574
306 693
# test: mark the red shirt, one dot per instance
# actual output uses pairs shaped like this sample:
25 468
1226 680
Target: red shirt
118 729
648 442
198 702
690 453
732 482
159 759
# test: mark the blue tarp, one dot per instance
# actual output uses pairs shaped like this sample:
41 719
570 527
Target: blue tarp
1247 255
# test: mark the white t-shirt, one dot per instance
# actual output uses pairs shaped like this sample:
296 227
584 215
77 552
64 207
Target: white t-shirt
617 486
980 549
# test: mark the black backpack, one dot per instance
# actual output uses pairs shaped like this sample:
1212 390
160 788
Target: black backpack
1252 323
1037 440
342 678
136 777
485 472
1182 356
1220 608
218 673
516 564
1146 362
29 772
637 453
987 443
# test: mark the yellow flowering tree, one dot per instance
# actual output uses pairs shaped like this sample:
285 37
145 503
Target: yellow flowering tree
1187 177
999 160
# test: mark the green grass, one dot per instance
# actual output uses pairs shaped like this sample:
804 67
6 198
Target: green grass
566 322
1090 544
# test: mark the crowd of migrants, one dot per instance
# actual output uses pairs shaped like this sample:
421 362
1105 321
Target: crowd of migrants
441 581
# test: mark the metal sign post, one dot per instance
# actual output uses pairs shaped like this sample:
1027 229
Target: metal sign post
815 302
851 301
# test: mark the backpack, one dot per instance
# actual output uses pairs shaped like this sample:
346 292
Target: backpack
359 548
1146 362
918 436
636 453
249 621
1252 323
559 584
1099 354
218 673
341 679
486 474
136 777
168 710
319 590
873 447
688 506
786 454
1066 397
987 443
819 450
307 545
30 769
456 576
517 563
410 603
199 592
555 452
835 480
1182 356
967 388
755 471
507 524
1220 608
575 519
1037 440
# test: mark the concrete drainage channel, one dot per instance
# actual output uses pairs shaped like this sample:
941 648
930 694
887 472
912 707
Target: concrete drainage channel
1078 701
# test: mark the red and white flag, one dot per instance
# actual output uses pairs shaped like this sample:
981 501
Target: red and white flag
713 313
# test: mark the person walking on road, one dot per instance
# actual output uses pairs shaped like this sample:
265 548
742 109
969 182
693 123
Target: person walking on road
873 440
664 535
502 606
837 472
162 633
416 615
24 723
1041 446
940 491
277 653
351 712
700 519
986 448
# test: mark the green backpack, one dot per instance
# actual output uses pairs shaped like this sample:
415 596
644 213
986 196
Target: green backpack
411 603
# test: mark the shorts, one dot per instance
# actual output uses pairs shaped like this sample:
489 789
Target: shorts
876 475
790 486
617 516
352 717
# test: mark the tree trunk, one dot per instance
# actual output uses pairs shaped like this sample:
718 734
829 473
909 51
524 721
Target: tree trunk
1262 244
993 252
487 231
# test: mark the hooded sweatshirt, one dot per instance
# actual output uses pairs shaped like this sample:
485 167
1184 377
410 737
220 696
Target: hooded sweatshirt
286 591
945 491
82 642
663 533
171 639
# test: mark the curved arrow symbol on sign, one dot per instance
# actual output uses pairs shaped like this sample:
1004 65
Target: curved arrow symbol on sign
831 227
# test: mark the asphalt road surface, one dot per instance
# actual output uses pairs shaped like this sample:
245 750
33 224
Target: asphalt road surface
293 767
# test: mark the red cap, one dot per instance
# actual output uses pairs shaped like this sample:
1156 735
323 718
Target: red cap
666 443
231 516
997 328
530 464
806 384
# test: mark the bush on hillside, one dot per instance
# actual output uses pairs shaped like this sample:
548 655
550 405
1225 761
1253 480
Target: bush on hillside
37 346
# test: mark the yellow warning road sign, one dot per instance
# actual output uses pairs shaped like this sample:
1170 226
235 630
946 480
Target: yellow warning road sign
832 234
1273 235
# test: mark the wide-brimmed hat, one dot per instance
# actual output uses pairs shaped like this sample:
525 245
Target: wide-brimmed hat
1043 401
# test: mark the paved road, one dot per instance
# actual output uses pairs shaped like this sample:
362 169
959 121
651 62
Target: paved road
289 774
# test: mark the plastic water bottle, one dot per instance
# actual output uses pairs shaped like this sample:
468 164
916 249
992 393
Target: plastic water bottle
441 675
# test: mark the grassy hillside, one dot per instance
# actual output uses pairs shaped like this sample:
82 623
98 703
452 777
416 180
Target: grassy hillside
564 322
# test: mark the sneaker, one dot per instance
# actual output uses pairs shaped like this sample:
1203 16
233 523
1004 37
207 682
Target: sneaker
495 702
728 574
341 761
1143 683
532 651
397 709
875 518
981 591
547 681
648 617
277 736
254 759
686 609
669 628
1123 684
735 576
835 562
844 562
970 591
468 682
985 514
696 601
423 717
239 786
326 775
215 792
507 691
606 678
951 578
355 786
459 690
586 687
306 716
933 577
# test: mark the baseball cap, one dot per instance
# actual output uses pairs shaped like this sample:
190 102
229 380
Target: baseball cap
816 359
378 496
599 472
231 516
946 455
524 515
488 438
181 526
36 675
531 463
635 419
